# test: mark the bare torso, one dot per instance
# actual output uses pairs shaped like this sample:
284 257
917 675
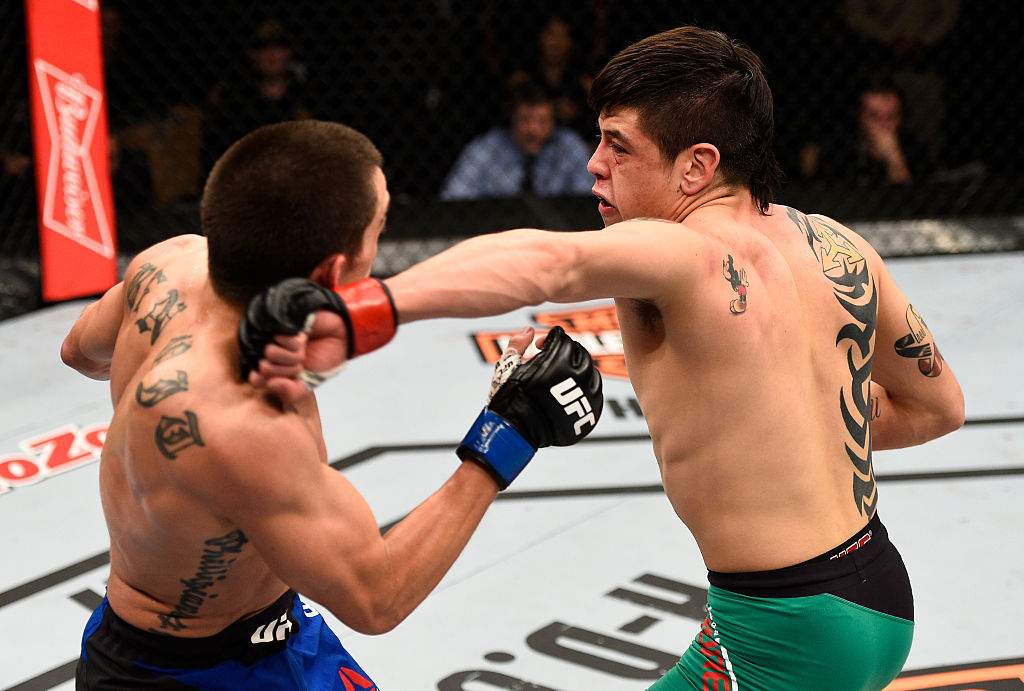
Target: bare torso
757 404
177 567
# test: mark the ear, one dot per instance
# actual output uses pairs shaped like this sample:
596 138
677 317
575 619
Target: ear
328 272
696 166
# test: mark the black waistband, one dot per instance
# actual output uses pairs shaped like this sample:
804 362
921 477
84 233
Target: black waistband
844 563
245 640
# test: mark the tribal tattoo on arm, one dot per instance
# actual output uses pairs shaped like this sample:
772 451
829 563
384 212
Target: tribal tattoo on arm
854 288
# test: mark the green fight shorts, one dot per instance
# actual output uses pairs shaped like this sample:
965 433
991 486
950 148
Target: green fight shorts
842 621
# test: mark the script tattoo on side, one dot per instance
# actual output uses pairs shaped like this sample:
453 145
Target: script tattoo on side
218 555
855 290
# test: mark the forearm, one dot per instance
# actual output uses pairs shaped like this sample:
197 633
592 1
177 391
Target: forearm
423 546
487 275
391 578
898 423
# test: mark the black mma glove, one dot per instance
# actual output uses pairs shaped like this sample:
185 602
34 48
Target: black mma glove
288 306
552 400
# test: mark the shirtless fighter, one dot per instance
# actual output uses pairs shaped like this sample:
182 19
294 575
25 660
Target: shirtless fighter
770 350
218 497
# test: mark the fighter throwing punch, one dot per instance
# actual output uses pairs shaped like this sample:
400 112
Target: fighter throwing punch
770 350
219 501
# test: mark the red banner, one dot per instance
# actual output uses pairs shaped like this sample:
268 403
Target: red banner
77 241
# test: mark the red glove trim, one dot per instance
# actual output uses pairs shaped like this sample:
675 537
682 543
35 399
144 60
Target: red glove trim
372 318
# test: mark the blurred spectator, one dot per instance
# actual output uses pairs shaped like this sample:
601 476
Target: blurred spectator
904 37
531 155
881 150
272 89
514 35
558 66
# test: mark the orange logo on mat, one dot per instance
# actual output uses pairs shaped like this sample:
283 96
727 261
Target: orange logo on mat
1007 674
597 329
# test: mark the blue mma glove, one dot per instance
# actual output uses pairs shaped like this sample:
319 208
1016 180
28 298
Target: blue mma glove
554 399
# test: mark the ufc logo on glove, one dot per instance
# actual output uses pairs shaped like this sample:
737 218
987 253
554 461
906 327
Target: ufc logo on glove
526 411
574 401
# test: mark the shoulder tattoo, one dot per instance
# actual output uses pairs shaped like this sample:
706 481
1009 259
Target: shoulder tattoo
739 283
138 287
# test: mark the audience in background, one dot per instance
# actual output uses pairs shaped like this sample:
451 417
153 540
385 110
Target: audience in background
273 88
906 37
876 148
530 155
558 66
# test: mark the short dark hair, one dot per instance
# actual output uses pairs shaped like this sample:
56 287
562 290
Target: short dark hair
283 198
692 85
526 92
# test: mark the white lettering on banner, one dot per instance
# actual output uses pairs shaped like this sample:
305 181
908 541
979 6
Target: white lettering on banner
72 109
50 454
72 200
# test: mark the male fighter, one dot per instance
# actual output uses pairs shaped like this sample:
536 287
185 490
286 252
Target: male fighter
770 350
218 497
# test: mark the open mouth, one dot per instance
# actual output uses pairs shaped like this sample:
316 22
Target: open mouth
603 205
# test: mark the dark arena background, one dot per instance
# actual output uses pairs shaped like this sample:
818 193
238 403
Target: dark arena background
422 78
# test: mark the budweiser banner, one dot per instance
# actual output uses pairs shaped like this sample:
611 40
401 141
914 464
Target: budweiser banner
69 127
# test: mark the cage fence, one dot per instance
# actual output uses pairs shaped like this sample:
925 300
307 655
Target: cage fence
423 78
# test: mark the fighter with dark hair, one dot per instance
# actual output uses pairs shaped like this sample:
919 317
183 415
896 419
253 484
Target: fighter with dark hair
806 591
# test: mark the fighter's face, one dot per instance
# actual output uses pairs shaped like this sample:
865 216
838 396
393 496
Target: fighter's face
633 179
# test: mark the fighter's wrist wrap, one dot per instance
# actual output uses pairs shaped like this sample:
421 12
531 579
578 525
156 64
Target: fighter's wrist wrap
497 446
555 399
369 314
286 308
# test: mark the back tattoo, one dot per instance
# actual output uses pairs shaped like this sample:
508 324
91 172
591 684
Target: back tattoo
173 433
854 288
739 283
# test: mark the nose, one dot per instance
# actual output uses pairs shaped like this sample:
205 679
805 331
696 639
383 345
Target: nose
595 166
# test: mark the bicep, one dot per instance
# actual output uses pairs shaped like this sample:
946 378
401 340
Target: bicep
908 362
643 259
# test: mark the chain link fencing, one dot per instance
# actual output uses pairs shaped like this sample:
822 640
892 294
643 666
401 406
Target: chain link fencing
422 78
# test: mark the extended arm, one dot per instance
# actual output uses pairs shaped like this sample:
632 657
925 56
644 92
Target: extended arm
318 534
488 275
89 345
501 272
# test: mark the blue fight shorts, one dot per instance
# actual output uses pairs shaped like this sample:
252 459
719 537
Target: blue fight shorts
287 646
